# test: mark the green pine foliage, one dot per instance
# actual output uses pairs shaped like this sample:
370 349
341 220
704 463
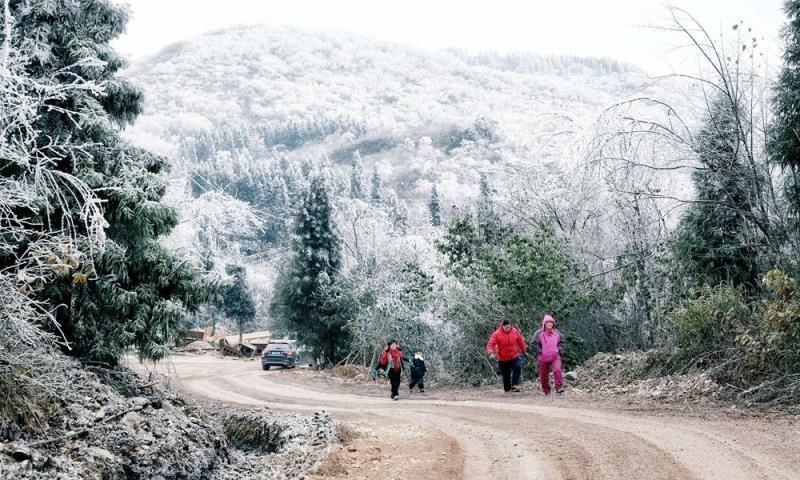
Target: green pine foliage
376 189
134 292
784 142
435 208
717 240
356 177
316 260
236 301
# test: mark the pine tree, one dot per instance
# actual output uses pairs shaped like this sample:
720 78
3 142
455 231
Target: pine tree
137 292
784 145
356 177
485 201
398 212
375 193
486 216
435 208
236 302
716 241
316 260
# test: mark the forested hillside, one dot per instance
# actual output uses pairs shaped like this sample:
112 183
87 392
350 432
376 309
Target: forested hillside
247 113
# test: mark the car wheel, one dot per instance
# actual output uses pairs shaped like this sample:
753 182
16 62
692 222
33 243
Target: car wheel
265 367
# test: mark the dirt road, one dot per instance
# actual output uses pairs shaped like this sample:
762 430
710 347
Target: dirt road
495 437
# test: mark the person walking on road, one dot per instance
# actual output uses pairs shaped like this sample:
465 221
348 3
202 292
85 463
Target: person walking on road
506 345
392 361
547 343
417 371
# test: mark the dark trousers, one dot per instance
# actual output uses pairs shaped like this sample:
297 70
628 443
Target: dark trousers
417 381
394 379
510 370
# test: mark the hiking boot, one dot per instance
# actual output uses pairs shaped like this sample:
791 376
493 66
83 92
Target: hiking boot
396 397
515 389
421 390
560 391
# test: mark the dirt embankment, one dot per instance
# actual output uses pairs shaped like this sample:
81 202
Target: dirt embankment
114 425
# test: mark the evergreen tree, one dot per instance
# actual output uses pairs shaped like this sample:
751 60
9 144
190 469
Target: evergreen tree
375 193
489 224
398 212
316 260
716 242
134 292
485 200
236 301
356 177
784 142
435 208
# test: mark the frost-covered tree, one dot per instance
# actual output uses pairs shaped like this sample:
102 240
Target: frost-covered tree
236 301
785 142
133 292
34 191
435 208
398 212
356 177
716 239
314 266
376 186
485 200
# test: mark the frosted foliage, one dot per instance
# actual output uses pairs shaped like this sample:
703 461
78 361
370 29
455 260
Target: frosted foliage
220 224
35 184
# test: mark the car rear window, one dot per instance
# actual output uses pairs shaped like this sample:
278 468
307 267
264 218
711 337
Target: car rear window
278 346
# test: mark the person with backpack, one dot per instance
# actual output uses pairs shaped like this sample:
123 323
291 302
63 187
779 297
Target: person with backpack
417 371
547 343
506 345
392 361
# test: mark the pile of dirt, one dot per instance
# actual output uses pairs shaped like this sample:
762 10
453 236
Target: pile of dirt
634 374
198 346
100 431
351 372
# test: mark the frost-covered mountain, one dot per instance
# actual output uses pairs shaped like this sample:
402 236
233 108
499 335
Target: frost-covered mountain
352 92
279 98
265 75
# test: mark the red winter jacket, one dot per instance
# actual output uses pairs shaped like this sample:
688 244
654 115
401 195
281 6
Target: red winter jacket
506 345
396 359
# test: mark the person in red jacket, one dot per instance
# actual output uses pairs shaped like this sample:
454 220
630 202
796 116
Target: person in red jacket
392 361
506 344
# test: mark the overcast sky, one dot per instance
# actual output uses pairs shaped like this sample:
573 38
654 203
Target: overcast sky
608 28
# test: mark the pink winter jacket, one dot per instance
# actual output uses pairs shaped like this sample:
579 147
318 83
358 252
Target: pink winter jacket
547 345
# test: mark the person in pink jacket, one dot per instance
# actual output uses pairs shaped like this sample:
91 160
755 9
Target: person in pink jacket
547 344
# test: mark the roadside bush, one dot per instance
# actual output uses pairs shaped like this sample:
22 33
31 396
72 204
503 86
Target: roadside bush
751 346
707 327
772 350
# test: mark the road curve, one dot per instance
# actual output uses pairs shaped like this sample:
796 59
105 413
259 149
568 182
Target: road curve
540 439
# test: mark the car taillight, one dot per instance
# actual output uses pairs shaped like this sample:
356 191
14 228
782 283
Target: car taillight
290 354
